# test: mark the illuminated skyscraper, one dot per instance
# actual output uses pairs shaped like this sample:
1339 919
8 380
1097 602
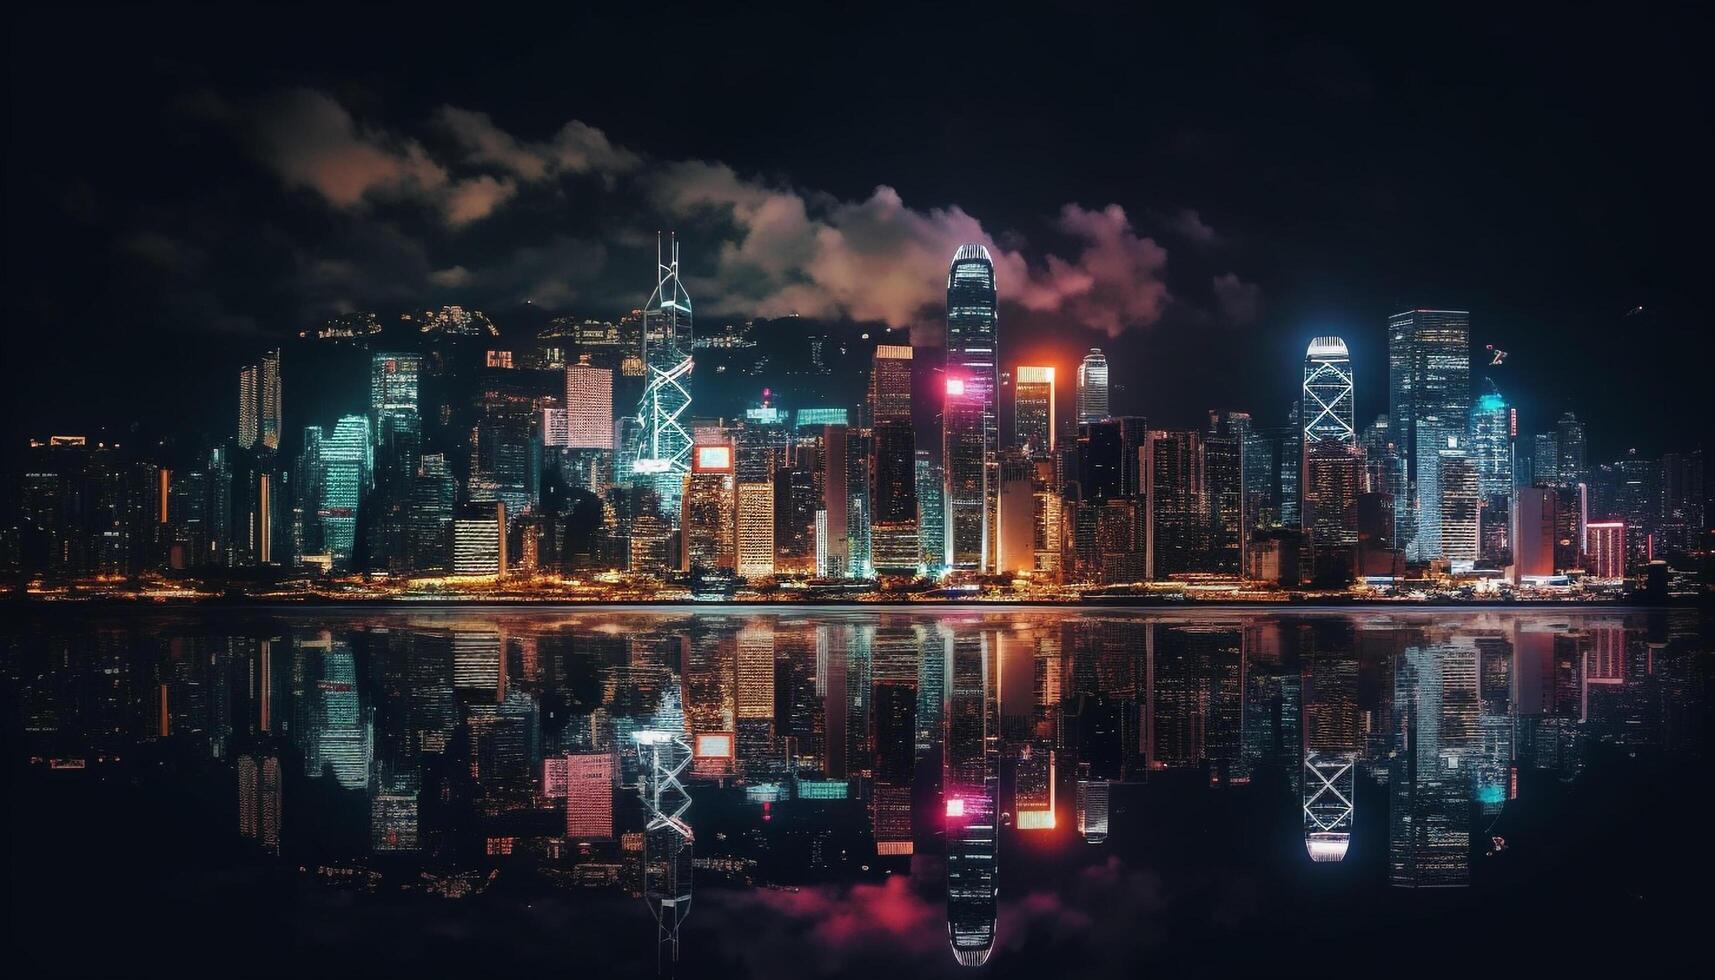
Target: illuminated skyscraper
1573 466
259 800
1093 386
348 465
968 427
662 452
1605 549
892 467
755 545
1327 394
971 784
1493 424
709 509
268 400
1429 388
1033 410
1460 504
1430 783
479 540
590 780
248 423
931 531
664 753
1224 475
393 389
1092 809
589 406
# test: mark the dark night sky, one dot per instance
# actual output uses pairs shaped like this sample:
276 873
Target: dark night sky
181 187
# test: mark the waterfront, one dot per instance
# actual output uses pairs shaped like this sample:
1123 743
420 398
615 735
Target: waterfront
1031 789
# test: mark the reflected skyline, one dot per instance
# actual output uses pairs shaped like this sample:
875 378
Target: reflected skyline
804 762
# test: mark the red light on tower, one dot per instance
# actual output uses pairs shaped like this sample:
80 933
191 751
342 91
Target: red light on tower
956 387
955 807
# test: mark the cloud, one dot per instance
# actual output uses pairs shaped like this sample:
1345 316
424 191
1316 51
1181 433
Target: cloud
309 140
1238 301
476 198
879 259
1191 225
1115 283
761 247
577 148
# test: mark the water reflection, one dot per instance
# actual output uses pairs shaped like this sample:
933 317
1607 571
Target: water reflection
634 752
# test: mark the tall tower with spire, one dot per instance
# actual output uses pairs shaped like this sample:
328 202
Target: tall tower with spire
661 454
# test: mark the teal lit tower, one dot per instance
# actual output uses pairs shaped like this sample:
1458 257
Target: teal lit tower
661 452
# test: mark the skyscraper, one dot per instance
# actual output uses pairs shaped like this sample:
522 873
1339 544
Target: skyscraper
1327 394
1093 386
1573 465
1033 409
393 389
892 464
348 465
1429 388
968 427
268 399
931 531
661 455
755 545
1493 425
971 785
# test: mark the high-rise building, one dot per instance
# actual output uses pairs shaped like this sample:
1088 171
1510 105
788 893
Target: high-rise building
268 400
394 389
892 490
1093 386
1333 480
1327 394
589 406
1493 426
479 540
661 454
971 788
259 800
1460 504
1224 474
1176 502
590 781
1545 458
348 466
248 423
755 546
931 531
1429 394
1033 409
1535 523
1572 463
969 419
1605 549
709 509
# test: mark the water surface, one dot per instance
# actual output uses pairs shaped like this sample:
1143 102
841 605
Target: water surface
838 792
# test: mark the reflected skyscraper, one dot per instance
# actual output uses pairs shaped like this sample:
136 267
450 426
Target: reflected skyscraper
1093 386
970 786
1436 709
664 754
969 420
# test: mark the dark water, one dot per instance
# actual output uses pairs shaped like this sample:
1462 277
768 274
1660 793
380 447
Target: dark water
838 792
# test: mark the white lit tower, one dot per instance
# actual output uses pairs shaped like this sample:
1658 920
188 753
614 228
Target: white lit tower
662 440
